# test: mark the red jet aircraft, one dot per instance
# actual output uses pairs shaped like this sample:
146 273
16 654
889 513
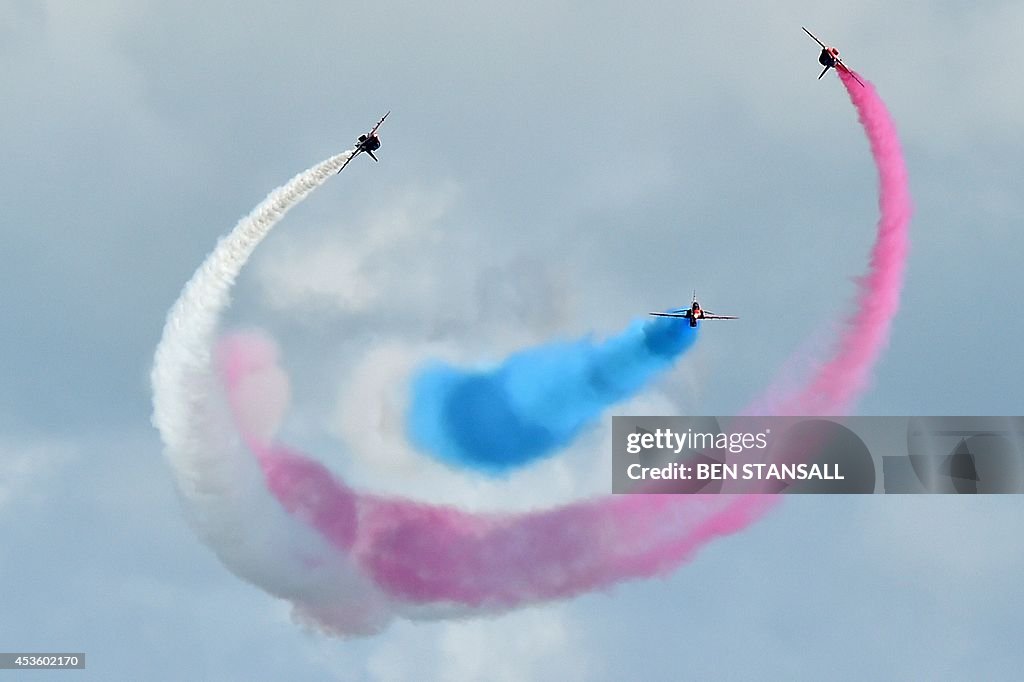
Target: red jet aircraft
694 313
829 58
368 143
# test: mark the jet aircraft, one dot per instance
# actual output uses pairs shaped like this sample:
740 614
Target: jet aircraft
829 58
694 313
368 143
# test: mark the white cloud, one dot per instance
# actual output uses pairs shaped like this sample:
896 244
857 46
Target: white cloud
26 466
363 262
535 644
541 643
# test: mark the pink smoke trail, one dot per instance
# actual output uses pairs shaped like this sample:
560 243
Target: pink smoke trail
428 554
838 383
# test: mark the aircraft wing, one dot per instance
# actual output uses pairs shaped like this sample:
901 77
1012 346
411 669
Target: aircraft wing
354 155
378 124
823 45
675 312
711 316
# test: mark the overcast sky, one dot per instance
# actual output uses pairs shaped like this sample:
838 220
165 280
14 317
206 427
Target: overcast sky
548 171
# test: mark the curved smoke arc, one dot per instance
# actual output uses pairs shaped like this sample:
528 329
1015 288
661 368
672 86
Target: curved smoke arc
370 558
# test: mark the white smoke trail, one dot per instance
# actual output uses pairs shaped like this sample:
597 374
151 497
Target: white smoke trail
221 486
184 386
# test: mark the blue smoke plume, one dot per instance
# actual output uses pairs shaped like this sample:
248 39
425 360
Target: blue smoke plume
537 400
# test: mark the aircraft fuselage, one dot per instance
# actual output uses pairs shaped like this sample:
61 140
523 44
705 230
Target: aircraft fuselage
369 144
